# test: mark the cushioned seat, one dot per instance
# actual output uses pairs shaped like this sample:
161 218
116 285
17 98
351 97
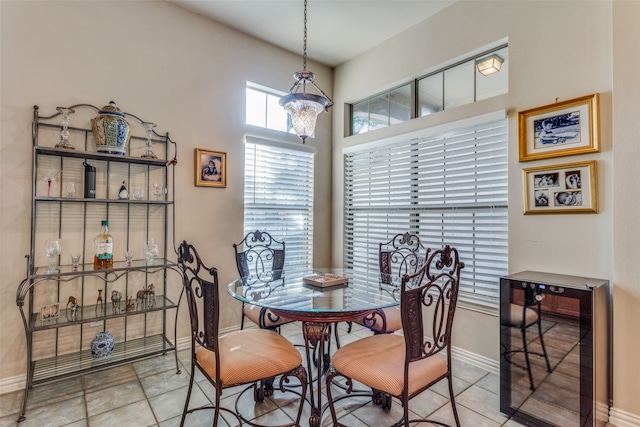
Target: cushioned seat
384 369
262 317
250 355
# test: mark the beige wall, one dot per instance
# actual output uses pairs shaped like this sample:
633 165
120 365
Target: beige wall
557 51
166 65
626 232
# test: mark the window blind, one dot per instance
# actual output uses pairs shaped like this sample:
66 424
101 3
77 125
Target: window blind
448 188
278 198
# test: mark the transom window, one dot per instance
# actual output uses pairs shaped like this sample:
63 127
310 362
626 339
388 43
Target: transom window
448 87
263 108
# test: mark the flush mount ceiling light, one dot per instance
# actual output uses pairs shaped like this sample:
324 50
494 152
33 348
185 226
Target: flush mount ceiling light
489 64
304 107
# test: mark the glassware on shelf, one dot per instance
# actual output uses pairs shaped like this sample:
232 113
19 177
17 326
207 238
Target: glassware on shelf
128 257
49 177
159 191
75 261
151 251
52 250
149 154
138 194
64 134
71 189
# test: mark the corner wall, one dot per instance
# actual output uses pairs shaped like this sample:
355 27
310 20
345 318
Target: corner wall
167 65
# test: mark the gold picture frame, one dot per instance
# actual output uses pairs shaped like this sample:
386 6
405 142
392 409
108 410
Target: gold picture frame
561 129
210 168
565 188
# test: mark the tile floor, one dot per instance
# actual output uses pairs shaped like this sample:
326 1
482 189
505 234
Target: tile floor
150 393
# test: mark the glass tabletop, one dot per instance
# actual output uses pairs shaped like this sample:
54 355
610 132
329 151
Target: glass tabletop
286 290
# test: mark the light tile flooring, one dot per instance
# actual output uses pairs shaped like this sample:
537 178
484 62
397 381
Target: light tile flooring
150 393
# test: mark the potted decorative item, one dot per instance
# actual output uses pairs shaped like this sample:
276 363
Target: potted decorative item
102 345
111 130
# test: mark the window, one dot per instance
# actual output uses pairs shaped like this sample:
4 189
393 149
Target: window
263 109
449 87
278 197
447 185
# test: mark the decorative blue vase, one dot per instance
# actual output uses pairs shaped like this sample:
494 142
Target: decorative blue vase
102 345
111 130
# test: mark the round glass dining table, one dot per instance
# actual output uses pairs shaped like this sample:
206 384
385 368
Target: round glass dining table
288 293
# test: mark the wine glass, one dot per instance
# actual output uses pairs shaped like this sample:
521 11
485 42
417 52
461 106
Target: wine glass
49 177
52 250
149 154
64 134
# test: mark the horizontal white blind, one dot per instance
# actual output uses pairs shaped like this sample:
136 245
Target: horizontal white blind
278 198
448 188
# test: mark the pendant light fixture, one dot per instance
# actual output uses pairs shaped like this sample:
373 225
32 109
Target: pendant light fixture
304 107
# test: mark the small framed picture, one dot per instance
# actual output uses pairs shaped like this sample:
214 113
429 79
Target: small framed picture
566 188
211 168
560 129
50 312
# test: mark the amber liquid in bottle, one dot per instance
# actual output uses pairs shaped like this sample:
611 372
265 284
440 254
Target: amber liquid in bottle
103 257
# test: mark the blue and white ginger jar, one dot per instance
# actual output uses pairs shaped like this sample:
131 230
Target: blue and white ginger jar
111 130
102 345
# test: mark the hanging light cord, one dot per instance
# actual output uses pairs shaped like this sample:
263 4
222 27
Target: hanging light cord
304 44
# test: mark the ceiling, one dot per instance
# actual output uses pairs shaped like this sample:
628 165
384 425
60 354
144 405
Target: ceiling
337 30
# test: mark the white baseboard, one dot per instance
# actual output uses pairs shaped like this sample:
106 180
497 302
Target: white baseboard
9 385
620 418
477 360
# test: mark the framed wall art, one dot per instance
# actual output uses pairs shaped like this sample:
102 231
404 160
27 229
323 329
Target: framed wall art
561 129
566 188
211 168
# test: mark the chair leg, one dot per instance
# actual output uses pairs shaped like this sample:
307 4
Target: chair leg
186 404
242 318
453 400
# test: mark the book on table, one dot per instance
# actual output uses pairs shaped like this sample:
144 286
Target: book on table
325 279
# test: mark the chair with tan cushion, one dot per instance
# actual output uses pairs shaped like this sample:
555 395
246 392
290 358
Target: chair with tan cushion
253 356
403 254
399 366
259 256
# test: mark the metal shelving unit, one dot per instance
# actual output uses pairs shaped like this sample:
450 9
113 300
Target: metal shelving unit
60 347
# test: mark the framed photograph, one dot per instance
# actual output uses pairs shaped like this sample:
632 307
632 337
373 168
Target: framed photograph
566 188
50 312
211 168
560 129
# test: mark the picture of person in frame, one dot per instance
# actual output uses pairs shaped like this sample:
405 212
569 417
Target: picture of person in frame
542 198
211 169
572 180
546 180
568 198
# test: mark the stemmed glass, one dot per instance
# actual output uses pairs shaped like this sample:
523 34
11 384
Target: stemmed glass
52 250
49 177
149 154
64 135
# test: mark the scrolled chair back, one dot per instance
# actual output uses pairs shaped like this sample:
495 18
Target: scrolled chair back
261 254
200 283
433 289
403 254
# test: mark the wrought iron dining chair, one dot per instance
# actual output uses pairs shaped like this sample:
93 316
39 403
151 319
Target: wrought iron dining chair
252 356
403 254
523 316
403 366
257 255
